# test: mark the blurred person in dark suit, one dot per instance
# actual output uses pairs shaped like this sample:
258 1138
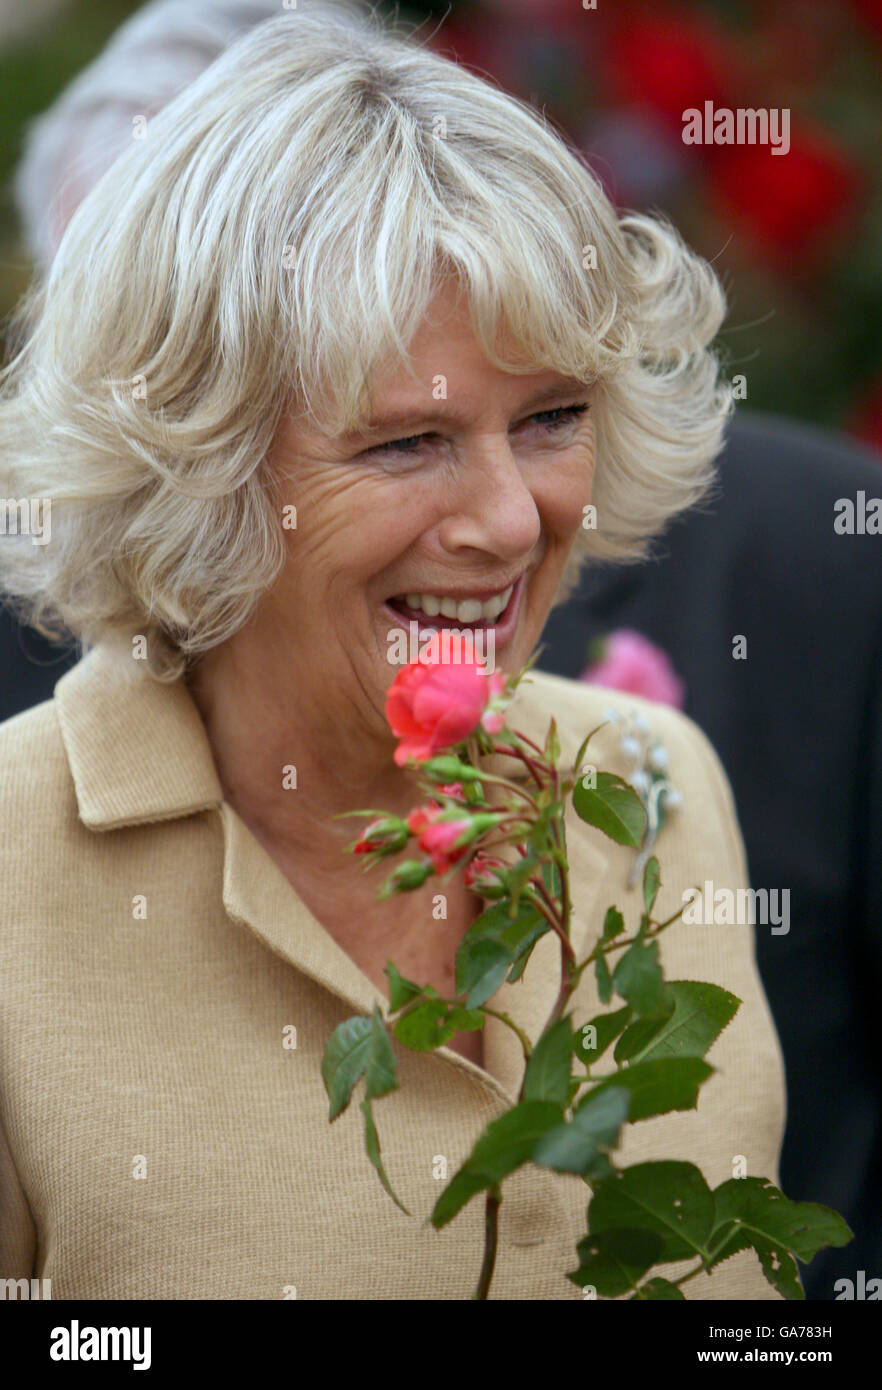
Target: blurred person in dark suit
798 726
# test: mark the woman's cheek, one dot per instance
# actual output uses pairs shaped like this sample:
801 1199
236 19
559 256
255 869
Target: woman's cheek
566 492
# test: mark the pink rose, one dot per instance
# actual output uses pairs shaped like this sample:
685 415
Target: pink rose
432 706
439 839
631 662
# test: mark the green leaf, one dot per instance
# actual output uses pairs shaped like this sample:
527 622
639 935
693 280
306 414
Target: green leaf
780 1269
636 1038
613 924
607 1028
671 1199
751 1211
701 1012
465 1020
575 1146
651 883
668 1083
522 961
658 1289
372 1147
521 934
613 1261
380 1076
613 807
577 761
505 1144
481 969
425 1027
604 980
552 744
463 1186
517 877
547 1076
401 990
344 1061
638 978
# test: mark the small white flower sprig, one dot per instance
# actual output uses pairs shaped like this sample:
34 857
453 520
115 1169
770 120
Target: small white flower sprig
648 763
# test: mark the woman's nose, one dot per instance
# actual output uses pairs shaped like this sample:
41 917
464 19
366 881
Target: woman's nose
494 509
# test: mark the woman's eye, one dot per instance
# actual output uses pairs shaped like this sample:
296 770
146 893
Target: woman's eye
561 415
407 445
550 420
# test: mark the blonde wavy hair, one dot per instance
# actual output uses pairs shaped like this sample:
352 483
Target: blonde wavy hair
273 242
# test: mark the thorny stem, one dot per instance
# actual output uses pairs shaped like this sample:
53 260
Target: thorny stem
569 980
532 764
565 944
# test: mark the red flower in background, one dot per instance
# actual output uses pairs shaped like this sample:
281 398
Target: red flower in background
631 662
789 202
870 12
669 65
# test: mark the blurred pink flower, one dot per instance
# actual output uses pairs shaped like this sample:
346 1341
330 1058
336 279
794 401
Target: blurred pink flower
631 662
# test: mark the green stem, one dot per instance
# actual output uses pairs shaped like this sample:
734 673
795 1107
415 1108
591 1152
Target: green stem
504 1018
491 1235
616 944
565 943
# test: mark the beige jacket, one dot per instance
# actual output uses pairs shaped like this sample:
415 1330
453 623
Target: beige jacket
162 1142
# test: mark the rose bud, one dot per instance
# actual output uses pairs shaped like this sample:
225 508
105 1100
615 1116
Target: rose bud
447 836
410 874
385 836
448 768
486 875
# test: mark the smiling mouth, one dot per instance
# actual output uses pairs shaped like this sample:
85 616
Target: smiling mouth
440 611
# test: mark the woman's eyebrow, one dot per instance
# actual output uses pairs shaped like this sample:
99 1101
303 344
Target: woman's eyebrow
402 419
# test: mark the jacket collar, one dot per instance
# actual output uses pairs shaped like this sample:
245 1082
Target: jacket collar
138 753
137 749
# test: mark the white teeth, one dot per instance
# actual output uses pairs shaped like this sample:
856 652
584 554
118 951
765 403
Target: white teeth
469 610
466 610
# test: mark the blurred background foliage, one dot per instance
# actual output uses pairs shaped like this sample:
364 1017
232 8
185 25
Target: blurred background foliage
797 238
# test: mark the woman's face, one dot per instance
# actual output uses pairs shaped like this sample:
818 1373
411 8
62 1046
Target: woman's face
468 488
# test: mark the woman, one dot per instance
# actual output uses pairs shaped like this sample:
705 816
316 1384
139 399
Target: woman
350 339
